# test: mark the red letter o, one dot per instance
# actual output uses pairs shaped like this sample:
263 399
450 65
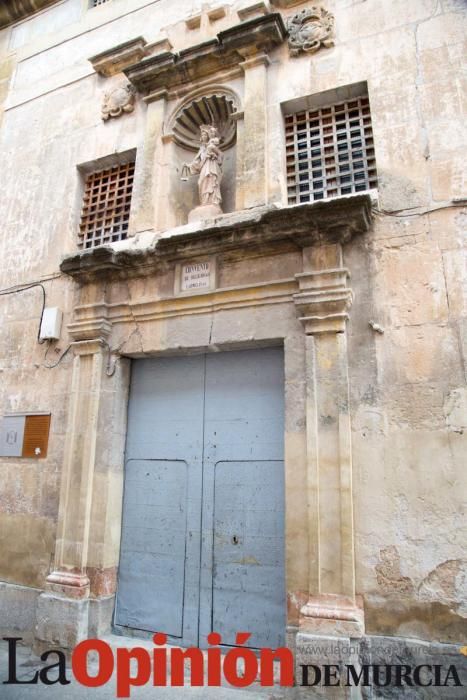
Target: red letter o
79 663
231 673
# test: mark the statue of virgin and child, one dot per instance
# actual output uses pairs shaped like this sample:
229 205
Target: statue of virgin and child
207 164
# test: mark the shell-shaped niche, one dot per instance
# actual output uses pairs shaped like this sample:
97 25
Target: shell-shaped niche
217 109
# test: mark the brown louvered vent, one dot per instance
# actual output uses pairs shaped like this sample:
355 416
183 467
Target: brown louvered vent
330 151
106 205
36 436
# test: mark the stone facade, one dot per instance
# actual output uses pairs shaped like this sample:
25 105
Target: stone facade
367 294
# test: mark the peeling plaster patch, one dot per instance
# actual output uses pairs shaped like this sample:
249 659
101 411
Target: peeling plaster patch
397 191
445 583
455 410
388 572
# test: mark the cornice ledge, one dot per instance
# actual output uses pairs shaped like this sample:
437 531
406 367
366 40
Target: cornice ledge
329 221
170 69
114 60
11 12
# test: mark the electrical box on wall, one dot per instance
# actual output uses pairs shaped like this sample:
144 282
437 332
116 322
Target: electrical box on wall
24 435
51 324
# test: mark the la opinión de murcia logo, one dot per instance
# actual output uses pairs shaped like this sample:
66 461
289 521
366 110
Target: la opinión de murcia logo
213 666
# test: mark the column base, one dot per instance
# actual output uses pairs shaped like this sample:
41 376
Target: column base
333 615
69 584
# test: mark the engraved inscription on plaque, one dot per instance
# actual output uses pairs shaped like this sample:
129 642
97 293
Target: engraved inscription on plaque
196 276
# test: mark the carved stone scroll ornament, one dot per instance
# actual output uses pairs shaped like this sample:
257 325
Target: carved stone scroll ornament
120 99
310 29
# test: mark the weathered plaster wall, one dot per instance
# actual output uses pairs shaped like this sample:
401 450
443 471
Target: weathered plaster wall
408 385
30 487
407 389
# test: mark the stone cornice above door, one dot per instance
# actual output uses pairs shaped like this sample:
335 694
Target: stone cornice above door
264 228
169 70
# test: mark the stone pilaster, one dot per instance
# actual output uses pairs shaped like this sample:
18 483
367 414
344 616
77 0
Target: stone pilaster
252 135
77 600
62 610
323 303
146 215
69 575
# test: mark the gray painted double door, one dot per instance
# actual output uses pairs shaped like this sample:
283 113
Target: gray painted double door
203 511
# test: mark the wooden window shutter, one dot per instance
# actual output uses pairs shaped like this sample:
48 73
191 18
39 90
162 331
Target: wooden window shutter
36 436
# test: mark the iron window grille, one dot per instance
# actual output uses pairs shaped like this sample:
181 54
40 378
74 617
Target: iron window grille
106 205
330 151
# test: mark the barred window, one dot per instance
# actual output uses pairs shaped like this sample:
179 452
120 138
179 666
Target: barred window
106 205
330 151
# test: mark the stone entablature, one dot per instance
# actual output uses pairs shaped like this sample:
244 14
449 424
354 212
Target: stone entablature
230 47
326 222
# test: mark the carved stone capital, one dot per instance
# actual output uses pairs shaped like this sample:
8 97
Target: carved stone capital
156 96
259 59
323 300
89 347
90 330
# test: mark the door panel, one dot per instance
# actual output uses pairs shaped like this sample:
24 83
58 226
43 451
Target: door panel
159 591
243 487
152 564
203 513
248 556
